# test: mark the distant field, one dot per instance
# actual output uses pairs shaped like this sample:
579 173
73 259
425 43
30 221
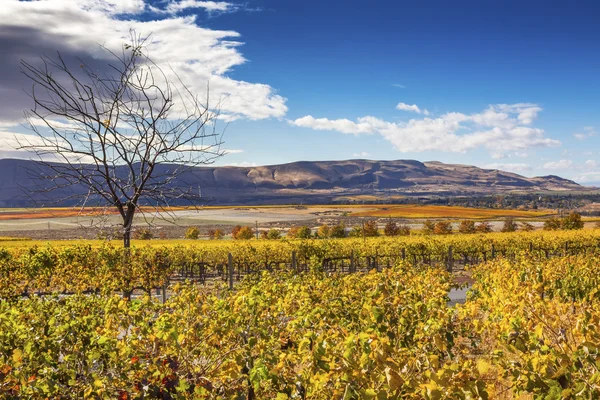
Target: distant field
415 211
13 239
365 210
16 242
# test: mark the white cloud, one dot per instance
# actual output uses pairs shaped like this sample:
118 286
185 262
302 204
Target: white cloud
519 167
501 128
362 126
500 155
559 165
588 177
411 108
232 151
244 164
588 132
12 142
199 56
591 164
211 6
362 154
398 85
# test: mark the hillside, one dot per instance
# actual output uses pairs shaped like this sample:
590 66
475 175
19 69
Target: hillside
308 181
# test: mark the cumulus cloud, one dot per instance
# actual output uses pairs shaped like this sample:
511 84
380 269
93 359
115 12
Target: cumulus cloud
559 165
411 108
77 28
517 167
499 129
361 126
11 142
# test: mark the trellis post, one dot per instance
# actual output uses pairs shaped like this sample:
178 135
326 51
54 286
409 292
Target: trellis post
230 269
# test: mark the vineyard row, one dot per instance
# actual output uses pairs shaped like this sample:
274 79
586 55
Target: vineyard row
85 269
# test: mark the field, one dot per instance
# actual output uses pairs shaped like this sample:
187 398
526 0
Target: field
69 223
411 211
303 319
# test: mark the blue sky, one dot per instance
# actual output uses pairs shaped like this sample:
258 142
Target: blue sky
502 84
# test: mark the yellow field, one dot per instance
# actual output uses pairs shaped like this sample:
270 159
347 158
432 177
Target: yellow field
19 242
13 239
416 211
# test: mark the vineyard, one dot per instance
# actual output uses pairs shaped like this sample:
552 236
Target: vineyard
306 319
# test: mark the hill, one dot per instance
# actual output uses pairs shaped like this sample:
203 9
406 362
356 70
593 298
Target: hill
308 182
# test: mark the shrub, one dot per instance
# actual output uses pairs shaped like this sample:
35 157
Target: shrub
572 221
304 232
467 226
299 232
403 230
338 231
391 229
356 231
370 228
323 232
192 233
143 234
242 233
215 234
483 227
292 233
509 225
428 227
527 227
552 224
274 234
443 228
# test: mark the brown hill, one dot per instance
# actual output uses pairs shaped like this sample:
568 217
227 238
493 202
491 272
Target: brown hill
312 181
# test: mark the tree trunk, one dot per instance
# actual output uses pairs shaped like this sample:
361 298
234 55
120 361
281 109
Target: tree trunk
127 225
127 236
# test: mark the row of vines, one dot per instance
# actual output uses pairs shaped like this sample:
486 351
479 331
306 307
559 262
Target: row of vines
86 269
528 328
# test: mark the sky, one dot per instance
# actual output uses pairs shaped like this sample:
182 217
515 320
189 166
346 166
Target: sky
511 85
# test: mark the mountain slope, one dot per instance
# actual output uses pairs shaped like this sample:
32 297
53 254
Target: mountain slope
309 181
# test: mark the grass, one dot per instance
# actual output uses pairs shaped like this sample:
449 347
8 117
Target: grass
427 211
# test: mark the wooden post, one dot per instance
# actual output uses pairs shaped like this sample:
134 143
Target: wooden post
164 293
493 251
294 266
352 266
230 270
566 248
450 265
531 247
403 254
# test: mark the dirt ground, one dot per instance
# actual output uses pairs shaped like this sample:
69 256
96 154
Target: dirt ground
61 226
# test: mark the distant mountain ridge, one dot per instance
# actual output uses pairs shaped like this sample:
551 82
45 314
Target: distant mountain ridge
313 181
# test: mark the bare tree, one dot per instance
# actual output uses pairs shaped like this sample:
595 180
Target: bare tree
126 136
